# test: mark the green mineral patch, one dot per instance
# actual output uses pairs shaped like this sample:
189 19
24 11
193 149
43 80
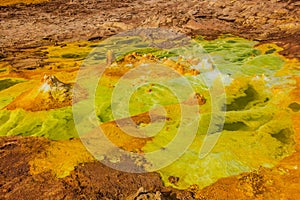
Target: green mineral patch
6 83
13 88
238 56
67 55
55 124
243 94
145 98
256 133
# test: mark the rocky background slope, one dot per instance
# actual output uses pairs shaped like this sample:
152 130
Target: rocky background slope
26 26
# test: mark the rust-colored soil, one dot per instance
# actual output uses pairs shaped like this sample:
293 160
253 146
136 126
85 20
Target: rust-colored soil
91 180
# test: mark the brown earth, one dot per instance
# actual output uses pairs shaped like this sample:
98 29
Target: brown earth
88 181
24 27
27 26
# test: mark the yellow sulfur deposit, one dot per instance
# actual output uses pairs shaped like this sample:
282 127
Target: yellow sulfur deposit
60 158
10 2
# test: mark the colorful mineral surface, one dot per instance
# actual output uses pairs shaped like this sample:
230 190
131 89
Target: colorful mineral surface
254 135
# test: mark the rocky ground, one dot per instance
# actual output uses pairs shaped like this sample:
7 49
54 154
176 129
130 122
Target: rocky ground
92 180
24 27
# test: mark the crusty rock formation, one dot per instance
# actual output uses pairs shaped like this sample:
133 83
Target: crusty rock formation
50 94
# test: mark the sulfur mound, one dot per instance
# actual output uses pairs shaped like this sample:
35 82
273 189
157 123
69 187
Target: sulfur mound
50 94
